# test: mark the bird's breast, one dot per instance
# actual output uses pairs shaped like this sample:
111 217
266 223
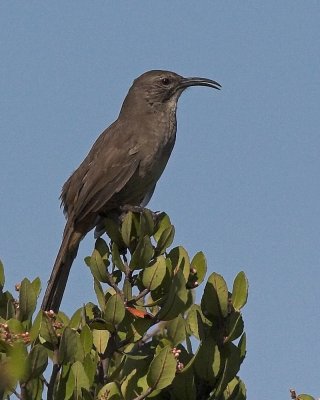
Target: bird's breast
157 150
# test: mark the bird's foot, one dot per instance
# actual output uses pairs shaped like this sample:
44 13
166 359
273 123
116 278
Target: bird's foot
139 209
128 207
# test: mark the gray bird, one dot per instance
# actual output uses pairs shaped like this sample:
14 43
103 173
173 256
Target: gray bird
122 167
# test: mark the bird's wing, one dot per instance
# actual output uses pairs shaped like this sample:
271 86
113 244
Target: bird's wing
110 164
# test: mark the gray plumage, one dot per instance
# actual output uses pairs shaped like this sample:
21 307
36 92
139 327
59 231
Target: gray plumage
122 167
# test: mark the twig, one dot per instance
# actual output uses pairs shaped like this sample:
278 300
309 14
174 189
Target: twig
16 394
144 395
106 357
293 394
55 371
23 391
189 345
113 285
44 381
105 367
128 271
139 296
149 335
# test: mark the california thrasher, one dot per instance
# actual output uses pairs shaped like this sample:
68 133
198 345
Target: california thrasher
122 167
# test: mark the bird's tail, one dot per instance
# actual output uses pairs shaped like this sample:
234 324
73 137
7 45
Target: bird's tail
60 272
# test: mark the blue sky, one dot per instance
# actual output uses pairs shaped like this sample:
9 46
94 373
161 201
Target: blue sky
243 180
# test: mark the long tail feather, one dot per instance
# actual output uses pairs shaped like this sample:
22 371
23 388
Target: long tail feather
61 269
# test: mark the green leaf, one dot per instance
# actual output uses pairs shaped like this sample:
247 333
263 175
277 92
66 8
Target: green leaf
7 309
233 390
76 319
240 291
142 253
81 380
15 326
162 224
214 302
102 247
2 276
47 332
100 339
143 387
99 293
113 231
230 362
175 302
116 276
242 393
180 261
4 347
127 289
197 323
89 312
86 339
184 386
109 391
199 263
63 318
165 239
37 362
234 326
135 328
115 310
68 346
116 259
305 397
162 369
35 388
36 285
126 229
27 300
153 276
176 330
129 385
207 360
17 361
90 366
146 223
242 345
66 383
137 356
158 295
79 352
98 266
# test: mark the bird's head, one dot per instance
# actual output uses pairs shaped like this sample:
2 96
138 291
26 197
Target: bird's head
158 87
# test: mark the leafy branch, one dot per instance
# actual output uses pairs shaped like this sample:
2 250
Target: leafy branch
144 335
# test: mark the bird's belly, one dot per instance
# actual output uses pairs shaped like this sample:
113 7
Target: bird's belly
145 178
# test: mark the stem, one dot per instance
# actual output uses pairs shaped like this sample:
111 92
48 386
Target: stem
16 394
53 378
160 326
106 357
139 296
188 343
23 391
144 395
45 382
105 367
113 285
128 272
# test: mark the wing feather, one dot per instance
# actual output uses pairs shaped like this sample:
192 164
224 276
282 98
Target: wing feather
111 162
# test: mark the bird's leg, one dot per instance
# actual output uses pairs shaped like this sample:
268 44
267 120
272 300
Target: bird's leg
138 209
128 207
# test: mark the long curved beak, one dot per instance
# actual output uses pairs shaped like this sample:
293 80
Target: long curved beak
195 81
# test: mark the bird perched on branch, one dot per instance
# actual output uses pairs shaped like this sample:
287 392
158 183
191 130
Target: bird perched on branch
123 166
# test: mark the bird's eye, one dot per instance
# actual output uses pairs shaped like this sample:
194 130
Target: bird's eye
165 81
